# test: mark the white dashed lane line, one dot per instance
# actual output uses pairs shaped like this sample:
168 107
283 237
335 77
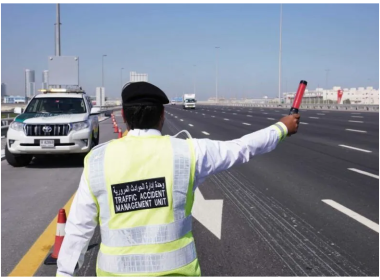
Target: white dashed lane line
356 113
363 220
226 119
304 123
249 116
246 123
320 114
364 173
181 120
234 114
204 132
353 148
212 116
190 124
356 121
354 130
360 117
313 117
272 119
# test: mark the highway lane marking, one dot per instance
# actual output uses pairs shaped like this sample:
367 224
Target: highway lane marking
313 117
36 254
356 121
226 119
212 116
284 114
238 110
349 147
204 132
181 120
233 113
324 111
272 119
246 123
223 112
175 116
190 124
249 116
215 111
357 117
320 114
203 114
356 113
364 173
352 214
265 113
354 130
304 122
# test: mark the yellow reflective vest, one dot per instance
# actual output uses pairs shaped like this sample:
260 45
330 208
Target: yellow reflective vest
143 187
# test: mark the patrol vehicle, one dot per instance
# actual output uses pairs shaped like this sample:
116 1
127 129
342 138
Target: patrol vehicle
56 121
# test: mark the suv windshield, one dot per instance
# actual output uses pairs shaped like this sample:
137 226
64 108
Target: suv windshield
190 101
59 105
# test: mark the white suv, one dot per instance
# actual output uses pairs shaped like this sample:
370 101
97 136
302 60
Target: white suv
57 121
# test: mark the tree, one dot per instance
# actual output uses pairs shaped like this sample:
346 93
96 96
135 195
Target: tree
347 101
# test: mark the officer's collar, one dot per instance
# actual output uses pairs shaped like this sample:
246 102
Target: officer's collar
143 132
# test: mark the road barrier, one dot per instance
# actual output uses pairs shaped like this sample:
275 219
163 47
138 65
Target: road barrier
332 107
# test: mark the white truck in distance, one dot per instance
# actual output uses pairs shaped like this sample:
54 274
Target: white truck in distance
189 101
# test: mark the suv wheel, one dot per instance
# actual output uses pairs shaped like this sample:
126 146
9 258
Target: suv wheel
96 140
17 160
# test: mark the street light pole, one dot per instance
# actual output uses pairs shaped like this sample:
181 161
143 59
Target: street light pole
279 59
103 69
216 75
194 78
121 78
327 76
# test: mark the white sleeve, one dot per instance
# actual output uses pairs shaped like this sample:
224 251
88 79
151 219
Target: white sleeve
80 227
216 156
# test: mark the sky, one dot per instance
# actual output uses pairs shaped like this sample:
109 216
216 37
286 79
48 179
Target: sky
175 45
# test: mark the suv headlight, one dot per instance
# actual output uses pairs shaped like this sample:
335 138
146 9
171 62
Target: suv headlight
17 126
80 125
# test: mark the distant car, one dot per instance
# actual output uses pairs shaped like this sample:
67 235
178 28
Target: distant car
172 102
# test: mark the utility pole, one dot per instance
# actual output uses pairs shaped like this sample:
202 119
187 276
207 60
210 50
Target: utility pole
216 75
327 77
279 59
58 33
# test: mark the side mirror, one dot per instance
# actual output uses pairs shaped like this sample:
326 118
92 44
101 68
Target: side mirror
18 110
95 111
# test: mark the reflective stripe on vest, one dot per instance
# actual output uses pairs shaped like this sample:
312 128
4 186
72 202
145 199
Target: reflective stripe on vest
151 234
147 263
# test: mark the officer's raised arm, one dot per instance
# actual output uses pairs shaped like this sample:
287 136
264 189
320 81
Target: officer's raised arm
216 156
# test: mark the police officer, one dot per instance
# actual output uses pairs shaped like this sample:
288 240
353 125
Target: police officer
140 190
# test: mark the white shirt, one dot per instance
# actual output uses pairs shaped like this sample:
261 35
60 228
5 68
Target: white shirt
211 157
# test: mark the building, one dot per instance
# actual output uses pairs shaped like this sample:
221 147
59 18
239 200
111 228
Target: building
100 96
337 95
137 77
45 79
14 99
3 89
30 85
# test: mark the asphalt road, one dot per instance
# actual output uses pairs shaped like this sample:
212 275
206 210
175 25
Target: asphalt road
274 221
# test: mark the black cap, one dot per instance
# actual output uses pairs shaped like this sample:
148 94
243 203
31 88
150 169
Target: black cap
142 93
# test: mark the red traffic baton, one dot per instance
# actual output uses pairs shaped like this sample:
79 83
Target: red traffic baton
298 98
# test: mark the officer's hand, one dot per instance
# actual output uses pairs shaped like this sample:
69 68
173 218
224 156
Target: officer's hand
291 123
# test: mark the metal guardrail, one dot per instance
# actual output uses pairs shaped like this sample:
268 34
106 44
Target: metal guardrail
335 107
